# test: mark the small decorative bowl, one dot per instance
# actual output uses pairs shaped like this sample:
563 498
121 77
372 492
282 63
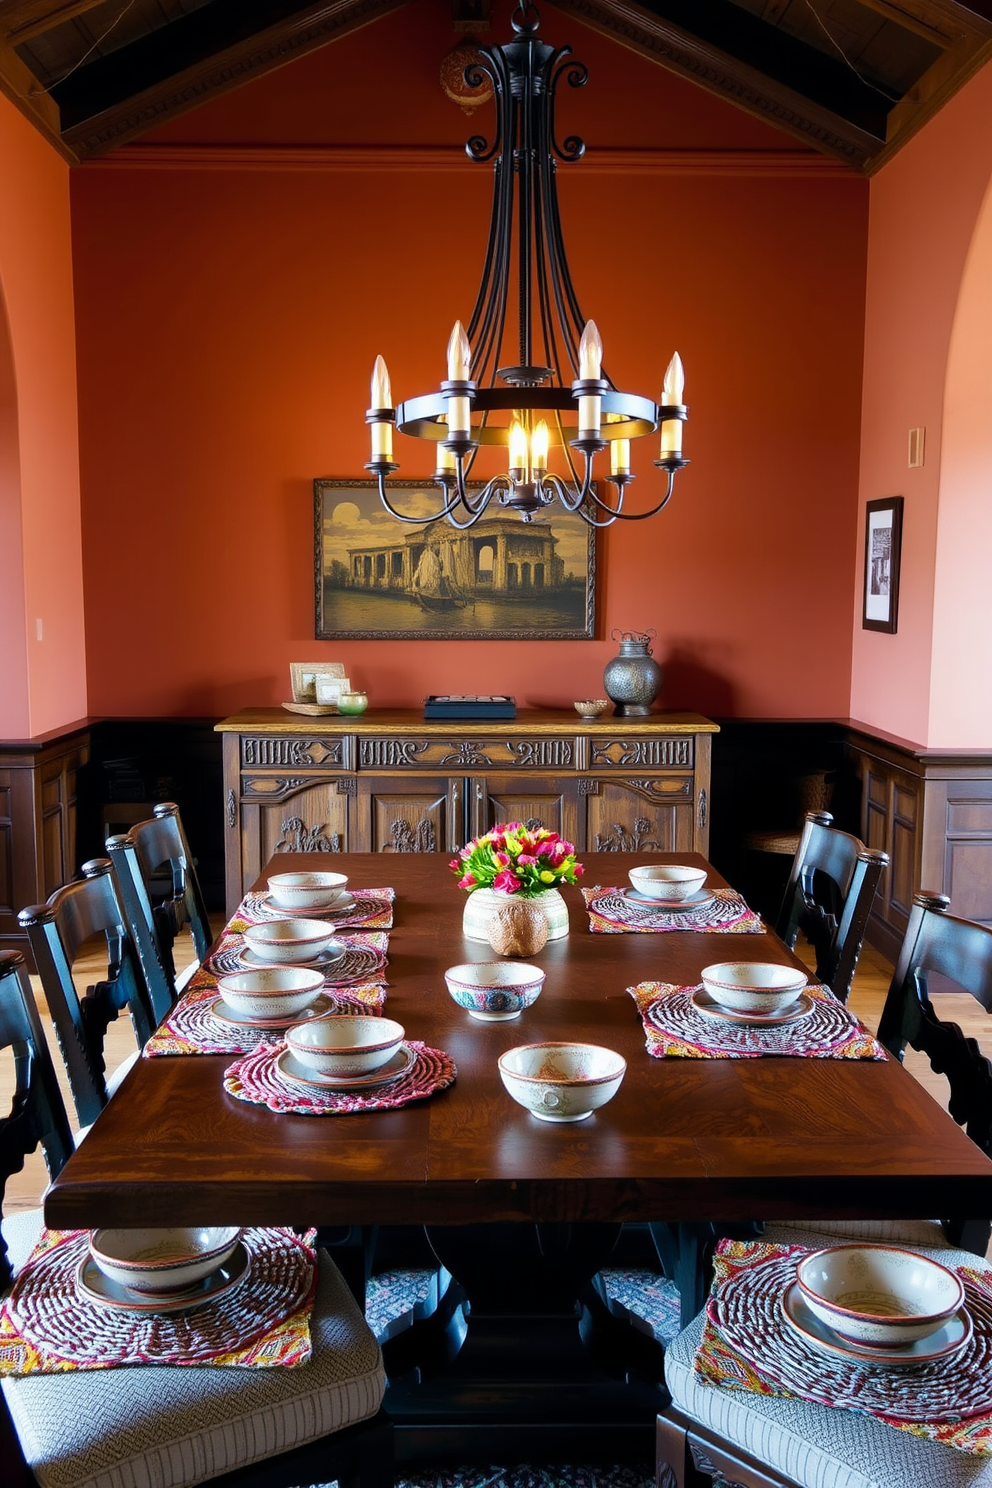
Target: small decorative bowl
878 1295
494 991
288 942
303 891
345 1045
271 991
159 1262
671 883
561 1082
592 707
352 702
753 986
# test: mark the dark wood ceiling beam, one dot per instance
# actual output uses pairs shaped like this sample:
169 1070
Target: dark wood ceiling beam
20 20
935 88
206 53
24 91
706 64
940 22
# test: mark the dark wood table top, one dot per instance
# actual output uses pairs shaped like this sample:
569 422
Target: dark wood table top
682 1140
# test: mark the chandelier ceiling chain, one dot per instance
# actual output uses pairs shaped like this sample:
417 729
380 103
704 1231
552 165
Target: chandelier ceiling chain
528 406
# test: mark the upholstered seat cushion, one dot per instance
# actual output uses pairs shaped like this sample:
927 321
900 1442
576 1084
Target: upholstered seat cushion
161 1427
914 1232
812 1444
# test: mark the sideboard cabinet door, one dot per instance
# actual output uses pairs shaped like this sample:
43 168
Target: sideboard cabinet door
279 815
647 815
418 813
535 800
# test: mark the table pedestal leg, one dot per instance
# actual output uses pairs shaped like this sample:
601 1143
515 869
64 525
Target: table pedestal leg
522 1362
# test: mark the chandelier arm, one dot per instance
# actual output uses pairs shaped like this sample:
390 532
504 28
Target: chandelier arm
541 242
576 507
400 516
639 516
496 312
492 65
565 298
491 489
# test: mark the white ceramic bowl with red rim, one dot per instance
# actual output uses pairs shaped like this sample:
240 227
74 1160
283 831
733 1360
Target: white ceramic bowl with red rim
562 1082
160 1262
669 883
880 1295
271 991
298 892
345 1044
288 942
762 987
494 991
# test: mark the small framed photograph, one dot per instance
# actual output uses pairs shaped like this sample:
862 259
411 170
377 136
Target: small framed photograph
329 689
304 674
883 546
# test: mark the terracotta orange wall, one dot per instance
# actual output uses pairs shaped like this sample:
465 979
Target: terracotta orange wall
228 320
43 682
925 205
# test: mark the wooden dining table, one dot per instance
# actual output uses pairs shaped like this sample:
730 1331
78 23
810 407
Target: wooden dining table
521 1211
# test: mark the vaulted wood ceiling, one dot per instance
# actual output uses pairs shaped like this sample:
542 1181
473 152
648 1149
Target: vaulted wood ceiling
852 78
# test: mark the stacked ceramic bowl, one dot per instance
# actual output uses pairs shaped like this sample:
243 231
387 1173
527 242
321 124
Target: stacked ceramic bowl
667 883
307 893
160 1266
293 942
761 989
878 1302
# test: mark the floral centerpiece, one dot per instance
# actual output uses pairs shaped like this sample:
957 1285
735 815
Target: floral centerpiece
530 863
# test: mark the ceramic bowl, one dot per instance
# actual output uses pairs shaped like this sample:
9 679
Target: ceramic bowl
287 942
345 1045
878 1294
753 986
668 882
592 707
561 1082
162 1261
303 891
494 991
271 991
352 702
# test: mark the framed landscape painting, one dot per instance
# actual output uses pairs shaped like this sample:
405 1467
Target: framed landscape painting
503 579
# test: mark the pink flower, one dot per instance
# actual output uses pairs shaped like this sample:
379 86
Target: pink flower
506 881
502 858
468 882
526 860
578 870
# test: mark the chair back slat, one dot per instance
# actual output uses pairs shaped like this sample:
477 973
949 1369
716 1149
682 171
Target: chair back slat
37 1113
56 931
829 895
137 856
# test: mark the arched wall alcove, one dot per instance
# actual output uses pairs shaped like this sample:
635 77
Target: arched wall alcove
961 665
14 710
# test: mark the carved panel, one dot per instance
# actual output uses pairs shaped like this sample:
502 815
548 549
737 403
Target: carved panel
347 785
465 752
542 753
705 1464
390 754
660 754
293 752
640 816
637 839
272 787
299 838
232 808
405 837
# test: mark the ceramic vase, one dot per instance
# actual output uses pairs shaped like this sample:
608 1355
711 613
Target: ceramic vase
480 904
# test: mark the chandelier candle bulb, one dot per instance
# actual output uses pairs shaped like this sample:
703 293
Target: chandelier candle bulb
539 447
382 399
445 459
518 450
590 369
672 395
459 370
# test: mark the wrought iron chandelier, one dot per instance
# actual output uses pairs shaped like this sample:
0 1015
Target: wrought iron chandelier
529 407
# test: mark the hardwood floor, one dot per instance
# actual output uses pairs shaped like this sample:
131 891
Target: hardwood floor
871 982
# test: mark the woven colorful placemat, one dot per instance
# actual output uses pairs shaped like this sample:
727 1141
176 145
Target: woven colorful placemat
674 1027
47 1326
748 1345
363 961
193 1028
612 913
257 1079
373 910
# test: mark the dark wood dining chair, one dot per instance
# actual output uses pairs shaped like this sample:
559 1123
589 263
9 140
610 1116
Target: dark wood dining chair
767 1442
56 931
151 849
164 1423
829 896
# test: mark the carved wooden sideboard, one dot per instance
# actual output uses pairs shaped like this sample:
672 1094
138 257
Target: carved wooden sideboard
38 783
391 782
931 810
